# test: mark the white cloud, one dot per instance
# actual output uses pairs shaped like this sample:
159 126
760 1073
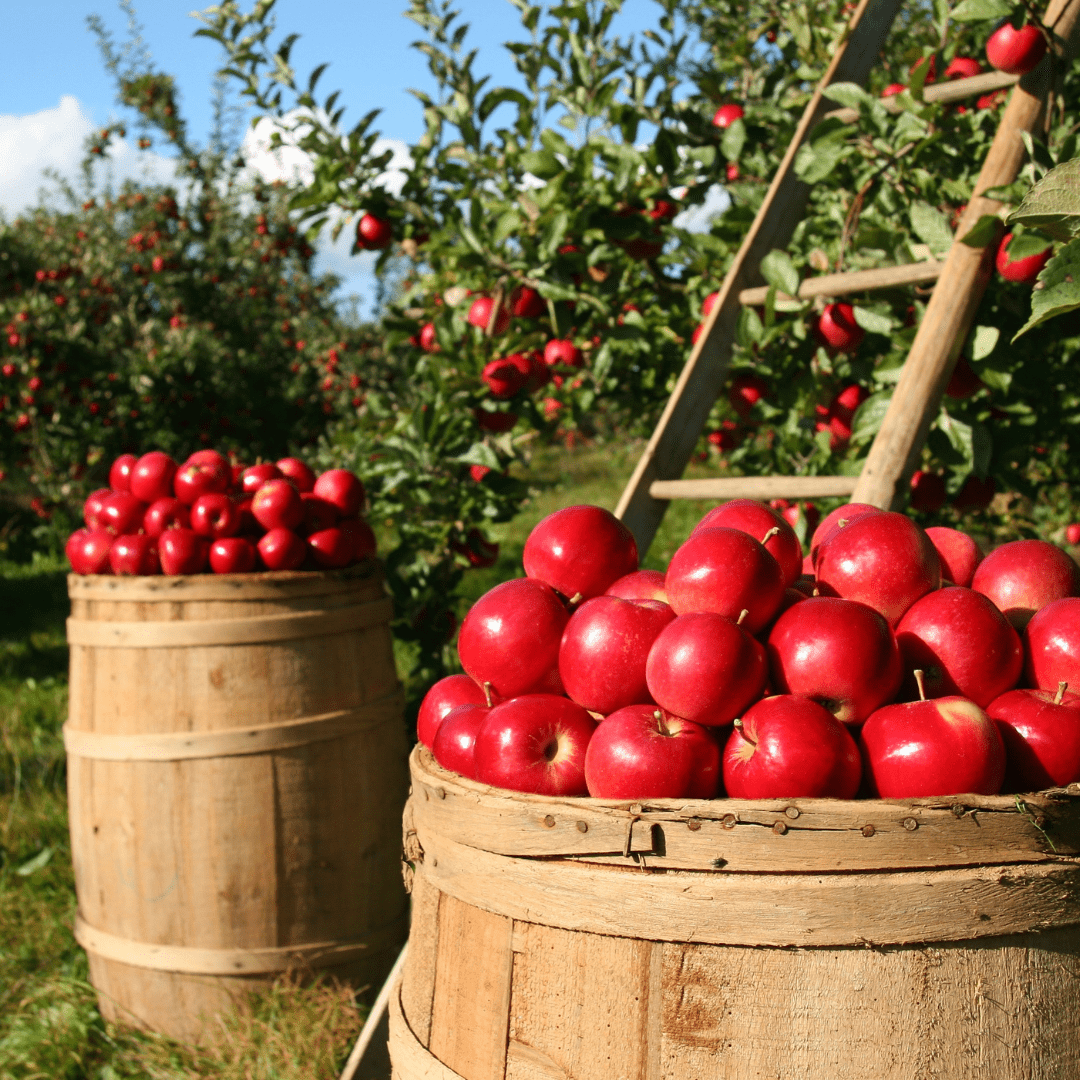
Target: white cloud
699 219
53 139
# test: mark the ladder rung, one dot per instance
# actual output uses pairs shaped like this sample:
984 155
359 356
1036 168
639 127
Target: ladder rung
886 277
945 93
755 487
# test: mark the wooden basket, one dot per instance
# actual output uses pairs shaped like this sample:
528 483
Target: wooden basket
805 939
236 772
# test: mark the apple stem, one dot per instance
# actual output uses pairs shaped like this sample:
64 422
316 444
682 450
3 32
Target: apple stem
487 693
774 531
742 616
1060 695
920 683
841 523
742 731
660 727
575 599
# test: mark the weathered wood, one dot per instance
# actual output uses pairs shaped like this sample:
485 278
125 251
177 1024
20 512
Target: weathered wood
755 487
887 277
702 378
944 93
411 1059
897 448
418 978
233 807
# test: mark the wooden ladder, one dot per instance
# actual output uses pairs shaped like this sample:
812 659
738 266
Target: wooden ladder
961 279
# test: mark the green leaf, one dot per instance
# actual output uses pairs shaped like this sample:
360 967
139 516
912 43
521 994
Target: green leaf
931 227
1058 288
495 98
554 234
749 329
983 341
826 148
971 441
508 224
40 860
873 321
778 270
479 454
542 164
981 10
868 417
733 141
1028 243
850 94
984 232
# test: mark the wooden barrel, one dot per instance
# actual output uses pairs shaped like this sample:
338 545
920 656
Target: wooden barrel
804 939
236 773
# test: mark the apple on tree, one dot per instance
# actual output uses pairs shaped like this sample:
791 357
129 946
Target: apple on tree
726 115
837 329
1024 271
373 233
1016 51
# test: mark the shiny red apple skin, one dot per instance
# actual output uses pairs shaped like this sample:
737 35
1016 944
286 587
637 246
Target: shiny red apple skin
604 648
758 520
254 476
446 695
535 743
883 560
702 667
232 555
120 472
342 489
454 741
510 638
212 458
121 513
88 551
215 516
169 513
959 554
1041 736
1016 51
182 551
640 585
639 753
963 645
152 477
331 548
579 551
791 747
277 505
847 513
1025 575
923 749
725 571
1052 645
839 653
282 549
134 556
93 505
301 475
197 478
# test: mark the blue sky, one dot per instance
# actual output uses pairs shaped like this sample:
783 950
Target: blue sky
54 89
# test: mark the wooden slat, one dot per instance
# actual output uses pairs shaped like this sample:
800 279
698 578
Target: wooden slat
943 93
702 378
418 978
755 487
886 277
897 448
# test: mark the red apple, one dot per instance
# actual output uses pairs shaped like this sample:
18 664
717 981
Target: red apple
120 473
745 392
93 506
363 537
121 513
883 560
838 653
535 743
342 489
480 315
1072 535
277 505
758 520
604 648
318 513
963 383
580 551
295 470
497 422
373 233
526 303
152 477
215 516
704 668
248 525
923 749
1052 640
1041 732
232 555
836 327
837 519
727 572
134 556
962 67
197 478
1023 271
445 696
1023 576
639 753
88 551
976 494
1014 51
640 585
562 352
726 115
506 376
510 638
959 554
282 549
788 747
169 513
254 476
962 644
331 548
927 491
213 458
182 551
428 338
893 89
454 741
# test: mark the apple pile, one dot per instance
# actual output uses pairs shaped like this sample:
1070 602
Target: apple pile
890 662
158 517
